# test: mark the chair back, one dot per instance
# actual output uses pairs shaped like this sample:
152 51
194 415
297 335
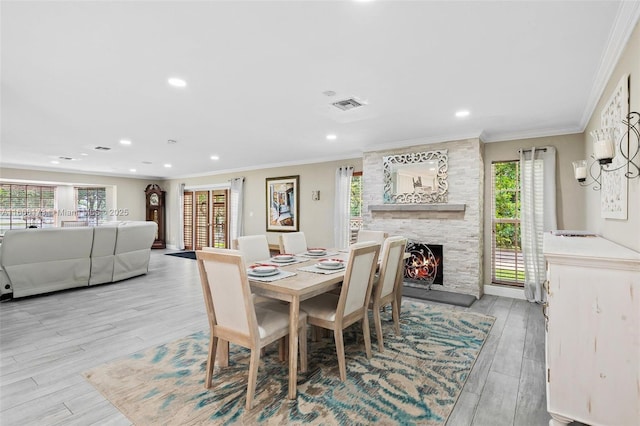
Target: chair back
254 248
226 290
293 243
377 236
358 278
391 265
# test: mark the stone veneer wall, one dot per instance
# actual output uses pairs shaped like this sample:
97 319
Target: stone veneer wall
460 233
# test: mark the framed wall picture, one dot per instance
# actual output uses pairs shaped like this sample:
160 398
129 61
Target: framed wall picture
283 209
613 192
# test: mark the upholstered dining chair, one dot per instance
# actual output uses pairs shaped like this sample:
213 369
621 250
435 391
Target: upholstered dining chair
293 243
337 312
254 248
385 285
377 236
233 317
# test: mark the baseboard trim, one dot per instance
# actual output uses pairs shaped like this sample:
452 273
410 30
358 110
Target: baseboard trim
504 291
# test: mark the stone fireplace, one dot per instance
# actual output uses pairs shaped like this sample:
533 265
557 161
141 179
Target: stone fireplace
456 225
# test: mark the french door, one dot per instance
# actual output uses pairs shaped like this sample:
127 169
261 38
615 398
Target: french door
206 218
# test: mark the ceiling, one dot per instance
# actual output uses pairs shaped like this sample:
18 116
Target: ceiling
81 74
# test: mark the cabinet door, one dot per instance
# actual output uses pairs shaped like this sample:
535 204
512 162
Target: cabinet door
593 345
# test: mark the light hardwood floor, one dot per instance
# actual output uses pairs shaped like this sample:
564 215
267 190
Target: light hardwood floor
46 343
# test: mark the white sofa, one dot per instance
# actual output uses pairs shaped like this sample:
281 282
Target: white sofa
35 261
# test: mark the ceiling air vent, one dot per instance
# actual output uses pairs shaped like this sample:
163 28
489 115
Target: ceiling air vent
102 148
348 104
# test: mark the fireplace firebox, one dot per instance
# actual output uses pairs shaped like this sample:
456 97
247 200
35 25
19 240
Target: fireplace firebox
424 266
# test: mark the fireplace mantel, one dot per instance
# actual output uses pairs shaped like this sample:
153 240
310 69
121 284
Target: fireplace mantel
417 207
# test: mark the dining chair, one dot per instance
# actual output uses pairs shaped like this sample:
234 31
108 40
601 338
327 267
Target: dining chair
385 285
293 243
337 312
233 317
377 236
254 248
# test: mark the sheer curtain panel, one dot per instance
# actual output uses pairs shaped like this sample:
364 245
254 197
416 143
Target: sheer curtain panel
538 214
180 209
341 231
236 202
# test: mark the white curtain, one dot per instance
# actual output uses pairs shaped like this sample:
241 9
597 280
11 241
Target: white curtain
180 223
236 218
341 227
538 214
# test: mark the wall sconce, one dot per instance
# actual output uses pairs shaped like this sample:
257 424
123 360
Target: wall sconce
604 151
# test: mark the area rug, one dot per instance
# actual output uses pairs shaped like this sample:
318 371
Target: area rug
416 380
184 254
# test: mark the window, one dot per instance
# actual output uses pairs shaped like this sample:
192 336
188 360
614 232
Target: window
355 209
22 206
507 261
91 205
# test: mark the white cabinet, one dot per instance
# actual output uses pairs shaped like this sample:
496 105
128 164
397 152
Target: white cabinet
593 331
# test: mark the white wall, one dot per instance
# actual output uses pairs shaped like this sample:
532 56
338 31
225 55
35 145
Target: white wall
316 217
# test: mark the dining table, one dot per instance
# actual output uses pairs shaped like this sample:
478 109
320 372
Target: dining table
296 288
298 285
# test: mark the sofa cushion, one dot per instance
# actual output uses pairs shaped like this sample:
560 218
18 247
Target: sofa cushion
44 260
133 249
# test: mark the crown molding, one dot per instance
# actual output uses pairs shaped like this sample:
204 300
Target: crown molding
624 24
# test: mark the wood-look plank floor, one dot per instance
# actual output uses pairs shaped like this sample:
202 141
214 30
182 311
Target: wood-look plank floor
47 342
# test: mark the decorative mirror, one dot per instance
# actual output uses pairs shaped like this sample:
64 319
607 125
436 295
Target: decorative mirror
418 177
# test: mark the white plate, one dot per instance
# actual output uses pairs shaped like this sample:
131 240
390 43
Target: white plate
332 262
331 268
263 274
317 253
283 258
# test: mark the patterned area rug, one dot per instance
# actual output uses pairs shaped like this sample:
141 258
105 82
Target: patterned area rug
416 380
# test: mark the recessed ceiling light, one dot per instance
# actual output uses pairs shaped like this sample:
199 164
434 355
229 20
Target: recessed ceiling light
84 154
215 157
329 93
462 113
331 137
132 170
55 162
167 165
172 141
147 162
177 82
125 141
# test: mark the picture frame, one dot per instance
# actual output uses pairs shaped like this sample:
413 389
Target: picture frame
283 207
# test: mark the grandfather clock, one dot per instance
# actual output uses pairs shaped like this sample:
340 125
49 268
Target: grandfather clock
156 212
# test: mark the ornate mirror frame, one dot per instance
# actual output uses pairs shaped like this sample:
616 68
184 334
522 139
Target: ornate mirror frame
425 173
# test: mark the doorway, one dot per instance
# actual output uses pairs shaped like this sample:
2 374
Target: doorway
206 219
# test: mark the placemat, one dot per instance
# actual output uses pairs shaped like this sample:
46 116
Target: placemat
316 270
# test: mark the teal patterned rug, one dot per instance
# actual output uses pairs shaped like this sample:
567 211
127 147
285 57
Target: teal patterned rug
416 380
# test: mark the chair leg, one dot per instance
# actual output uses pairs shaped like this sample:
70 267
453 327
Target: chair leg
396 316
302 345
211 360
367 335
378 323
283 348
223 353
253 376
342 364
